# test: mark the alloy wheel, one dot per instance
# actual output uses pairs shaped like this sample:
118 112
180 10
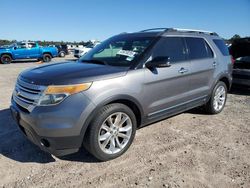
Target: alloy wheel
115 133
219 98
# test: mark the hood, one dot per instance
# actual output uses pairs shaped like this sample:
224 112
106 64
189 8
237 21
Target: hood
71 73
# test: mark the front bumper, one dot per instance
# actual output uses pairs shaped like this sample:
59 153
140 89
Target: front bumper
55 129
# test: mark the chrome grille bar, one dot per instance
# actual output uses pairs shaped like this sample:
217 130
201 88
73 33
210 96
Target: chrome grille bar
27 95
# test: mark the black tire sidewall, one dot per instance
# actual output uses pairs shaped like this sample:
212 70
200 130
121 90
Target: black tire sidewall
62 54
91 143
210 104
3 56
45 57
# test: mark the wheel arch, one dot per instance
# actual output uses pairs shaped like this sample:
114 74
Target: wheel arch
129 101
226 81
48 53
224 78
6 53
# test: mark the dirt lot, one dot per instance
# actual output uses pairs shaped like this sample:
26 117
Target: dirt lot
189 150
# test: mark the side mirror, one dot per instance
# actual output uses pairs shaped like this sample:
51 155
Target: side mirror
15 48
159 62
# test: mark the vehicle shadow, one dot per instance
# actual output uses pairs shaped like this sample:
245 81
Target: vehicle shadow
81 156
14 145
25 61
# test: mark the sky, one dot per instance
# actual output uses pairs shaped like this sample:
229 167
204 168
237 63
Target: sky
82 20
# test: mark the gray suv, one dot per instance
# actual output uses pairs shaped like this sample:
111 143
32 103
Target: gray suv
128 81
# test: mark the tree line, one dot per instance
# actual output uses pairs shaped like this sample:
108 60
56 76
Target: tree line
45 43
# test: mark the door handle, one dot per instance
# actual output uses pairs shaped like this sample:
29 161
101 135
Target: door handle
214 64
182 70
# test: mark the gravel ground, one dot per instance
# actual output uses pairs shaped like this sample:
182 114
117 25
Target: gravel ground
188 150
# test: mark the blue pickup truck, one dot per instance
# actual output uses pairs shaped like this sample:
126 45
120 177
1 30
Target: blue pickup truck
26 50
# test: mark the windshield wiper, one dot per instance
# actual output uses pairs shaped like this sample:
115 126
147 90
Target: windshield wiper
96 61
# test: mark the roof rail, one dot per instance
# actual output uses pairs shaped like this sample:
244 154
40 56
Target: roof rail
180 30
157 29
195 31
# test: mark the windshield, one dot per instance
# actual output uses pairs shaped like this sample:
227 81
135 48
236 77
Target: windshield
121 50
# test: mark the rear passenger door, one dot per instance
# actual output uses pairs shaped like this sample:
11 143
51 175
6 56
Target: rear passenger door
166 90
32 50
202 67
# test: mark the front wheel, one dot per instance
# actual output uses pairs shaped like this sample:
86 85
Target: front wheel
218 99
6 59
47 57
111 133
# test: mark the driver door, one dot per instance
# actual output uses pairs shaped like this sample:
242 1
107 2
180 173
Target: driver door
20 51
167 89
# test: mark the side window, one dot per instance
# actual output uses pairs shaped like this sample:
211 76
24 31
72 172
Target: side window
210 53
222 46
31 45
173 47
198 48
21 45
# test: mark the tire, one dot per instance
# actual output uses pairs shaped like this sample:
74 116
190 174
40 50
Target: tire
47 57
62 54
103 143
6 59
221 98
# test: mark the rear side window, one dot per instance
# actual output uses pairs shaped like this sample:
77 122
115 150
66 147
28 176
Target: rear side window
31 45
198 48
173 47
222 46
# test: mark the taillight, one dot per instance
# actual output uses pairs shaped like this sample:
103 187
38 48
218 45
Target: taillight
232 59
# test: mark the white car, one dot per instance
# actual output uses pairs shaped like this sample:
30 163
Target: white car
79 52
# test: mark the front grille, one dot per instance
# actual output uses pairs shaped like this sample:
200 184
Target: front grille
77 51
27 95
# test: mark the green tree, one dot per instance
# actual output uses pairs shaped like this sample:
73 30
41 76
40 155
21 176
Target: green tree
236 36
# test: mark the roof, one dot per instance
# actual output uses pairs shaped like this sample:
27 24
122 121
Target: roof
165 31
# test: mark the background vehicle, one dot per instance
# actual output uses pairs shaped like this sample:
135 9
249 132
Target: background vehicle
72 47
240 51
62 50
26 50
126 82
79 52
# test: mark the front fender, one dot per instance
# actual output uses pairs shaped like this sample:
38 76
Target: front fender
7 52
105 102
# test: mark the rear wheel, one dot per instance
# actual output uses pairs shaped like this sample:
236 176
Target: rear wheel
47 57
218 99
6 59
111 133
62 54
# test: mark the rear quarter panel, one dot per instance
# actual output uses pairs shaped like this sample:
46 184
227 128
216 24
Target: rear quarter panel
224 65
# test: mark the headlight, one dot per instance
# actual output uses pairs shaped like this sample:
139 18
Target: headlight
56 94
